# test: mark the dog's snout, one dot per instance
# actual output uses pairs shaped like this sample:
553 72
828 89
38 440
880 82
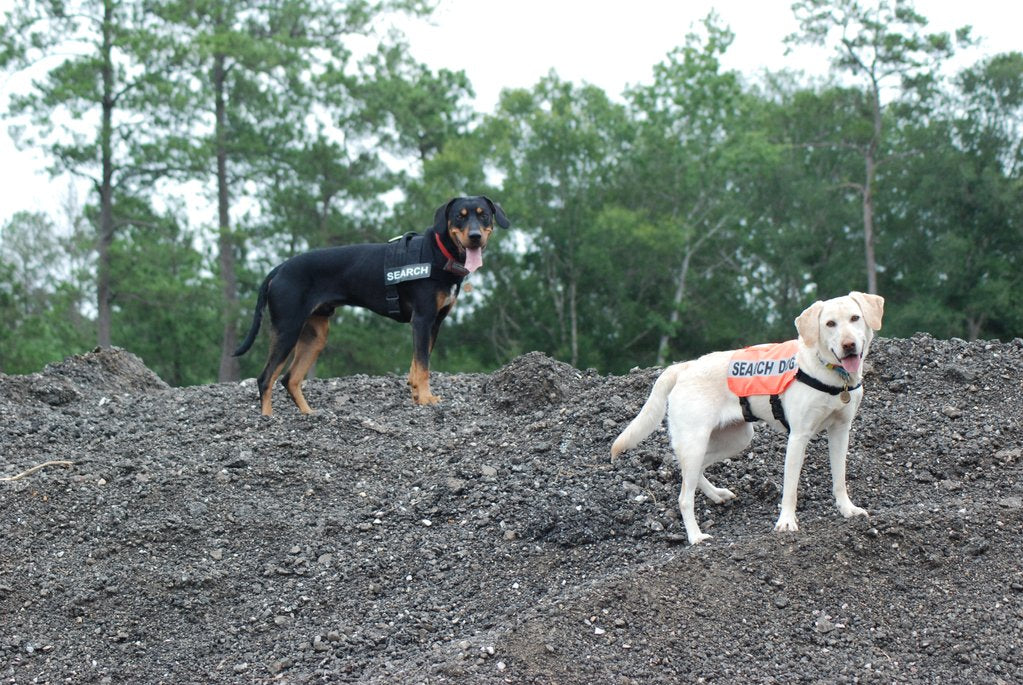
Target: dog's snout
475 237
849 347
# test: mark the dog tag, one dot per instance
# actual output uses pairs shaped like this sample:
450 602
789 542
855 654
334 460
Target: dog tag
466 287
844 396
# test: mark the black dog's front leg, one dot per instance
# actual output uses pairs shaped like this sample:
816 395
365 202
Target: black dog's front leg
422 343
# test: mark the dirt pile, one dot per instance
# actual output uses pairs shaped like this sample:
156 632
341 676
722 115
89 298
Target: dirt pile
489 538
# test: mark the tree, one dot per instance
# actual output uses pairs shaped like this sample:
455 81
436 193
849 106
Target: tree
956 214
875 44
166 300
39 300
558 153
805 244
246 81
689 170
81 108
412 108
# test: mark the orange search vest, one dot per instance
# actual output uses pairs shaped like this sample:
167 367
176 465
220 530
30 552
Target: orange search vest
763 369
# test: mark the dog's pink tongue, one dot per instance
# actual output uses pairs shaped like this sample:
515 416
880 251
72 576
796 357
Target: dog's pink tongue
851 363
473 258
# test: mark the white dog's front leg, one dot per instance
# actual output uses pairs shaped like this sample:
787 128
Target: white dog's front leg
838 448
795 452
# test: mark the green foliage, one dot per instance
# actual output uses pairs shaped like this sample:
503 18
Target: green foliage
876 43
410 107
164 300
807 241
698 156
958 210
39 304
703 212
876 39
557 147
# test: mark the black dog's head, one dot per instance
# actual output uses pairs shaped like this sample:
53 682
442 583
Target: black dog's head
468 223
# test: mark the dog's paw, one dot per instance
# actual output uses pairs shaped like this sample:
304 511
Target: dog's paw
617 448
720 495
698 538
849 510
427 399
786 524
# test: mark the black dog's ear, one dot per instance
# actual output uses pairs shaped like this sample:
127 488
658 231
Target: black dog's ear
440 217
499 216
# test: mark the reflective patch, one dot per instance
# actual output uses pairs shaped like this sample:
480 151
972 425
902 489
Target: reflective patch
409 272
763 369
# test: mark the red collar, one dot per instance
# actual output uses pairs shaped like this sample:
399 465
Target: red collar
452 266
443 250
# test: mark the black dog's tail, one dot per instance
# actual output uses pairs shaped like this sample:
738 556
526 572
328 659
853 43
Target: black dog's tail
257 318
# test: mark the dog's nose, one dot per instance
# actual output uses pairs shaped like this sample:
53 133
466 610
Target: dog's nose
475 237
849 347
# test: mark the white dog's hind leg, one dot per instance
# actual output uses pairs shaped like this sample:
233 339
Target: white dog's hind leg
689 451
838 448
724 443
687 505
715 494
795 453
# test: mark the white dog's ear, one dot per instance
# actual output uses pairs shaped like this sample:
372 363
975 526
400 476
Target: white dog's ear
872 307
808 324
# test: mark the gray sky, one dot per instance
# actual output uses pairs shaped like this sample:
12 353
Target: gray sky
505 44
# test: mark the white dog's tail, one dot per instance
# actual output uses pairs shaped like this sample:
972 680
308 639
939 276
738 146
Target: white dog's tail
650 415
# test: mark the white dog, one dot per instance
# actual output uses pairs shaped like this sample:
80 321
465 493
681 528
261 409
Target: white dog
708 422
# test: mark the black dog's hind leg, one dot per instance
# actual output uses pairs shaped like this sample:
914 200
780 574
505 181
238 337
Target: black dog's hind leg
282 341
311 342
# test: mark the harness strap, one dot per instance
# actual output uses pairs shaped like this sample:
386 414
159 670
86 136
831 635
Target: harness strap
396 250
747 411
779 412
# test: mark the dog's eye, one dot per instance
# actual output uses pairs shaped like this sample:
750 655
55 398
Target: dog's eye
855 317
831 324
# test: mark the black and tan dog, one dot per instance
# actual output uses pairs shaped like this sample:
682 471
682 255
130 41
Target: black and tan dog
413 278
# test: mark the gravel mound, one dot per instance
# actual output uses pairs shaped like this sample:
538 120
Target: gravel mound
489 539
108 371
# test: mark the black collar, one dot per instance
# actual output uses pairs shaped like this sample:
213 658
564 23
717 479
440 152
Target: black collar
823 387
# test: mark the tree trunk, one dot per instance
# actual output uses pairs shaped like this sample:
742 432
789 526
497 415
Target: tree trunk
573 321
676 309
974 325
870 163
229 368
868 224
106 189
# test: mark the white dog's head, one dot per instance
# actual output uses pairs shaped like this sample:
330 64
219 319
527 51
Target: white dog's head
841 328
